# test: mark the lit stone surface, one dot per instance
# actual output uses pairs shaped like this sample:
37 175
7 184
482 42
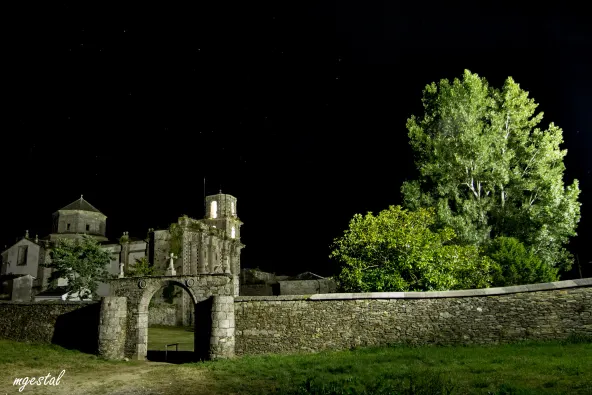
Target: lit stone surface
285 324
211 310
112 327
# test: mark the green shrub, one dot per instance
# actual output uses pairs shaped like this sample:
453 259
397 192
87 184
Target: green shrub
517 265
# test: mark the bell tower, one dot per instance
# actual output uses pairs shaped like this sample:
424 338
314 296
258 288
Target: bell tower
221 213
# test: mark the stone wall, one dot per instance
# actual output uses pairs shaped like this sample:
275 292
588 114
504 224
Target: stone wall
256 290
222 340
285 324
78 221
69 324
308 287
164 314
113 325
140 290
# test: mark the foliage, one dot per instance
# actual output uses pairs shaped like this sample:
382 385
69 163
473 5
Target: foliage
170 292
82 262
397 251
489 170
141 267
517 265
176 232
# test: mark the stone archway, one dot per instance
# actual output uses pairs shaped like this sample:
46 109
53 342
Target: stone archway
210 294
143 317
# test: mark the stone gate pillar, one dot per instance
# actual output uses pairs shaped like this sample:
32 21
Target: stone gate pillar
222 335
112 327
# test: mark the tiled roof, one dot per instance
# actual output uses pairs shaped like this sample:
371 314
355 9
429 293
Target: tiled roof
81 204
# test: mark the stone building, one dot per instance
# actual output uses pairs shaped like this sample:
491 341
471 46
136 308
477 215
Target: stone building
206 246
257 283
28 255
78 218
190 246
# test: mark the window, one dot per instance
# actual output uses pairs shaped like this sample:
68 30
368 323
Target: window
22 256
87 227
233 232
232 210
214 209
68 227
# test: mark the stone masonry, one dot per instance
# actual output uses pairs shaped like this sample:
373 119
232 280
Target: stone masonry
113 327
228 326
222 339
199 289
288 324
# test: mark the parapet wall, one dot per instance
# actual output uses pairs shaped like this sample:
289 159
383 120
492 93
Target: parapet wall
286 324
69 324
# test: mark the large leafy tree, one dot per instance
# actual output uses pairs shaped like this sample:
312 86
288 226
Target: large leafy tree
396 250
489 170
82 263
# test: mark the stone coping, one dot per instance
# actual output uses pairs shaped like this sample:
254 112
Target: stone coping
583 282
60 302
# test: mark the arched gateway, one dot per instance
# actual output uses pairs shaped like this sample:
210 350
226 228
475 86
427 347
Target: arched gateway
123 330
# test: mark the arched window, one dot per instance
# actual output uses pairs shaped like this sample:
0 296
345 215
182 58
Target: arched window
233 232
214 209
232 209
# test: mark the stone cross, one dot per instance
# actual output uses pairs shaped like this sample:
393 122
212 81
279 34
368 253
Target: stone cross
171 269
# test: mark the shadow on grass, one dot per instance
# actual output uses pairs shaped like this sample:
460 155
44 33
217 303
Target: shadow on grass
79 329
176 357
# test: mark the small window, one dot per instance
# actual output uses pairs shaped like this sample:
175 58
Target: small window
233 232
232 209
87 227
214 209
68 227
22 255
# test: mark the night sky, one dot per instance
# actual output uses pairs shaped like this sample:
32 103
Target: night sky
299 111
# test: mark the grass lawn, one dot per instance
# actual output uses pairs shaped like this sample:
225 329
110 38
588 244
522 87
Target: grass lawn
526 368
159 336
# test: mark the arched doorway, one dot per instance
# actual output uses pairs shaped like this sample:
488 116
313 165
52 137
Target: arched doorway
209 296
171 324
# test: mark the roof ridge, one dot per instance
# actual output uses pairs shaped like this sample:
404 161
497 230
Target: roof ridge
81 204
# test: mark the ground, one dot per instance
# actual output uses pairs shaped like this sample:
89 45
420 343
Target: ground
159 336
527 368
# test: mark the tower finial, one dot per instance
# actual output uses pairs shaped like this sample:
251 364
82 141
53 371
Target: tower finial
80 196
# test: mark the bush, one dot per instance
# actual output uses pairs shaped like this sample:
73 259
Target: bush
398 250
517 265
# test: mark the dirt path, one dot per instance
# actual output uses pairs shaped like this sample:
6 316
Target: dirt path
149 378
